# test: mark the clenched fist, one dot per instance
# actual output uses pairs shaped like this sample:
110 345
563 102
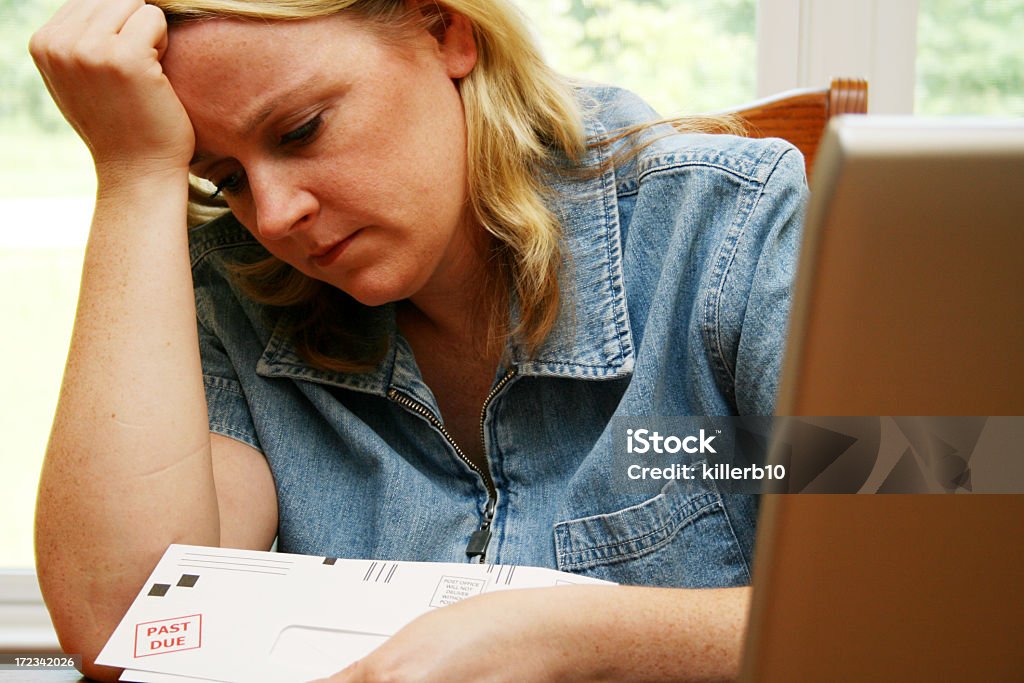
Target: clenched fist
101 63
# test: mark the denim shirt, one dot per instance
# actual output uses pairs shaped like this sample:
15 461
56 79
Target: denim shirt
679 272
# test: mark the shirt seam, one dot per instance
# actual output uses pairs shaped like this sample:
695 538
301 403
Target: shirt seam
678 518
713 302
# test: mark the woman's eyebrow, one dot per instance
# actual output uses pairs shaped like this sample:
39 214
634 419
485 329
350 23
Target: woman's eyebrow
261 114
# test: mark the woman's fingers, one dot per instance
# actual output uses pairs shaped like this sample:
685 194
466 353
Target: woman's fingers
111 15
100 60
147 26
103 15
90 36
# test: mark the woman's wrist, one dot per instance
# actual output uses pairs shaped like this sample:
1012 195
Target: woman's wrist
129 174
614 633
135 182
576 632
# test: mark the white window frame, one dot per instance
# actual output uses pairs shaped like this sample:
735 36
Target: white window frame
806 43
800 44
25 624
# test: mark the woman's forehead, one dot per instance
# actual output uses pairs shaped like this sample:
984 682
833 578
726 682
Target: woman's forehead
245 39
223 48
232 75
222 68
241 32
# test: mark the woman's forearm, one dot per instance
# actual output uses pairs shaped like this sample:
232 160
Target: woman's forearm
128 465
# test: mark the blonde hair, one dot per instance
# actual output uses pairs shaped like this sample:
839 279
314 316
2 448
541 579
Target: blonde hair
522 120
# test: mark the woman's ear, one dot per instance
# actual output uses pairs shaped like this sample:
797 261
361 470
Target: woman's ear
454 35
458 45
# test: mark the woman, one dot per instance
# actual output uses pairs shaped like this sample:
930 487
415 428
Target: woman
444 274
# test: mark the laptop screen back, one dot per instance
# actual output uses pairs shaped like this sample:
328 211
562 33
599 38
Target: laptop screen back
909 301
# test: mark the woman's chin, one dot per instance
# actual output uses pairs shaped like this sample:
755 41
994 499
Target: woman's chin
376 293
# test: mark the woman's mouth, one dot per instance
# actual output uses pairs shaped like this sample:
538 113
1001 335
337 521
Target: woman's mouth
327 258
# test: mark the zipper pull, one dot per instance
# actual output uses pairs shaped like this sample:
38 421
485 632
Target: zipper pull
477 547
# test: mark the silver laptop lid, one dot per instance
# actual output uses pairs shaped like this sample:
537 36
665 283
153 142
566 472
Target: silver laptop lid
909 301
910 292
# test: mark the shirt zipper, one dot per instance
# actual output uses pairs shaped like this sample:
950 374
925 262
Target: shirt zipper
477 546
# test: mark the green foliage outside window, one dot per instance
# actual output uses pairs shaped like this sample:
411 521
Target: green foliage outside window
683 57
970 58
22 95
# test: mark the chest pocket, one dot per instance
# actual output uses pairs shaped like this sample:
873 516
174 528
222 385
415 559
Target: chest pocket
680 537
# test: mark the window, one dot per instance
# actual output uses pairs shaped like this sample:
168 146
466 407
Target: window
927 57
45 200
46 190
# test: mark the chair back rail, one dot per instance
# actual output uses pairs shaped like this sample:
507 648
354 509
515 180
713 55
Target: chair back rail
800 116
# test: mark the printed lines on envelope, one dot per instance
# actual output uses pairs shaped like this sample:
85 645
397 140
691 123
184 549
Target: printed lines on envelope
508 570
377 570
236 563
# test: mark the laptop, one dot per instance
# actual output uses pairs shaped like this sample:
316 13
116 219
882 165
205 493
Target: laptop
909 301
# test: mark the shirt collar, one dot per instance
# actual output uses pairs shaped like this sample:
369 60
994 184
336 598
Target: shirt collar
591 338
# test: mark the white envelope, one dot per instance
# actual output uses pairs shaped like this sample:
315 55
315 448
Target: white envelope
216 614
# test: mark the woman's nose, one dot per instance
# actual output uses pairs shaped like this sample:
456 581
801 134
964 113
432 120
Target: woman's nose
281 203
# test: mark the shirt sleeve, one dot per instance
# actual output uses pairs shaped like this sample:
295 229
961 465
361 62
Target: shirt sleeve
225 400
777 220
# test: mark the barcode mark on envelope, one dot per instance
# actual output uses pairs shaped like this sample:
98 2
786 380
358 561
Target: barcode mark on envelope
377 570
505 573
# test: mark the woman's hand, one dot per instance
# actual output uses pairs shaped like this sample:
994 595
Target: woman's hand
101 63
517 635
566 634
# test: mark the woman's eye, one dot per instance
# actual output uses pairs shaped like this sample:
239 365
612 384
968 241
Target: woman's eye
303 134
231 184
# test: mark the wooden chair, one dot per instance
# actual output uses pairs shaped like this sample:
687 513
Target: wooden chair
799 116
